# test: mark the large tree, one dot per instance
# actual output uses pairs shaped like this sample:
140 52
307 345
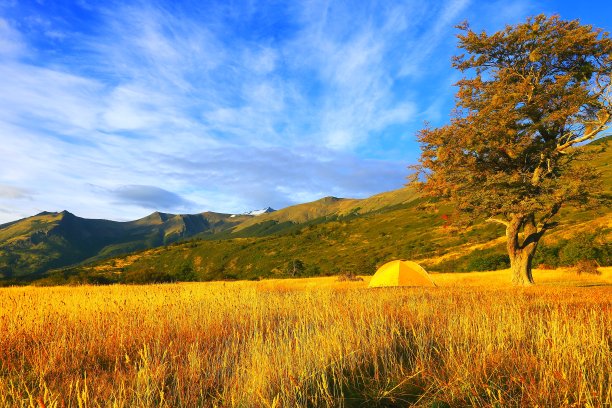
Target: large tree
532 95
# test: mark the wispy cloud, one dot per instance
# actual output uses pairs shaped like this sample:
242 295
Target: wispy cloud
14 193
48 99
270 175
150 197
112 110
11 44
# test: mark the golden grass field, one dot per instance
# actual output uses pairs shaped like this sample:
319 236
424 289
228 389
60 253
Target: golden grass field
472 341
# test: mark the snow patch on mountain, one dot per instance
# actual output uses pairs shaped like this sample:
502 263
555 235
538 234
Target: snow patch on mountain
256 212
260 212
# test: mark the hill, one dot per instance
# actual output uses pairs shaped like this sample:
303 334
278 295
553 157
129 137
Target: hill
352 244
34 245
333 206
329 236
47 240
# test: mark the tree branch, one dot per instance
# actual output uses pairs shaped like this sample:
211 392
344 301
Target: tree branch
601 126
506 223
545 220
531 233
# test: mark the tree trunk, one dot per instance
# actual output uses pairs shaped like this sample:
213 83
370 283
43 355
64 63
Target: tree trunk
521 254
520 265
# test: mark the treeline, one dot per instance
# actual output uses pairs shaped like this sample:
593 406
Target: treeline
293 268
590 246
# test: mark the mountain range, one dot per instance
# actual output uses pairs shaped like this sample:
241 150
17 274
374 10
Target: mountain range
33 245
330 236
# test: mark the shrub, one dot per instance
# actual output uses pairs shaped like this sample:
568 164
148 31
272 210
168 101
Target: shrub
295 267
587 266
581 248
349 276
141 277
545 266
449 265
483 261
364 266
547 255
186 274
313 270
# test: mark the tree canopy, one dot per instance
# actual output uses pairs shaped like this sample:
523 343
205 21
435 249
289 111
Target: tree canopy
533 94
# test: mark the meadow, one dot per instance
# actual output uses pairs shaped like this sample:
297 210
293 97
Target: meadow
472 341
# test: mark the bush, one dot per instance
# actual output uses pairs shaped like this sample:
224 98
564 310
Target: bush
483 261
547 255
588 266
141 277
581 248
348 276
295 267
449 265
91 279
186 274
586 246
545 266
364 266
313 270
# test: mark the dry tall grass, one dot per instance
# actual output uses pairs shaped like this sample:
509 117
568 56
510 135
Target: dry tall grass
306 343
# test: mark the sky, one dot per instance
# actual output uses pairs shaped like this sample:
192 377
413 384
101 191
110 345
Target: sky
113 109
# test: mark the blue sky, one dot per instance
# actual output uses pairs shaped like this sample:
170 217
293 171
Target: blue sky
117 109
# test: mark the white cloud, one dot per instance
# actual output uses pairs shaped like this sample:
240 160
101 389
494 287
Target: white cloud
150 197
130 108
440 29
356 68
261 60
46 97
193 106
11 43
14 193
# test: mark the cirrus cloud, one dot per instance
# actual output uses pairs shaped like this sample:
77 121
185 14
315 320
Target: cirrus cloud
113 109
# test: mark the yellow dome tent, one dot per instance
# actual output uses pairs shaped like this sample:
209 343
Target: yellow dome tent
400 273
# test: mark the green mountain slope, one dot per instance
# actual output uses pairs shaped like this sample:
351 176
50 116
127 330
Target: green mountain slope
332 206
45 241
328 236
48 240
349 244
